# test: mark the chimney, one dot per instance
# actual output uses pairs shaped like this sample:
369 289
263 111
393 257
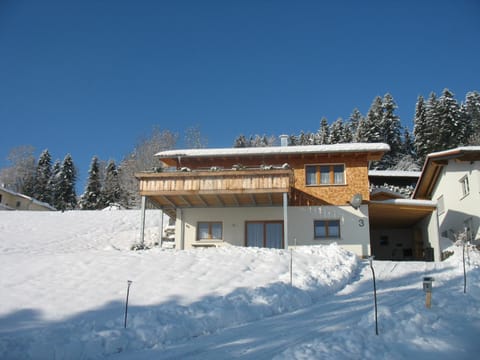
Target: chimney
283 140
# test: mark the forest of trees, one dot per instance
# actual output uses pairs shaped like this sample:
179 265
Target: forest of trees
107 182
440 123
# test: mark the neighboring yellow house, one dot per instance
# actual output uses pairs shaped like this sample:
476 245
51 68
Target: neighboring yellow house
11 200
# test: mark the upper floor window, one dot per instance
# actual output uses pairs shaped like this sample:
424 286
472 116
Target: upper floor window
440 205
325 174
209 231
465 186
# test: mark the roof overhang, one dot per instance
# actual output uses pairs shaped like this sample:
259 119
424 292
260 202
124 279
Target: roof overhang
374 151
399 213
433 166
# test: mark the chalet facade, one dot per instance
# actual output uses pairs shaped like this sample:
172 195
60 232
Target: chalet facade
269 197
451 178
285 196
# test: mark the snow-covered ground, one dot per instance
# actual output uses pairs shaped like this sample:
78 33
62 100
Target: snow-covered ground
64 280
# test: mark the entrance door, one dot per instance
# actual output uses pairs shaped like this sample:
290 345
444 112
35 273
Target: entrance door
267 234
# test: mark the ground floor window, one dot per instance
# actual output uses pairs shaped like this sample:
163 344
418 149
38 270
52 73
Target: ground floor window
267 234
326 229
209 230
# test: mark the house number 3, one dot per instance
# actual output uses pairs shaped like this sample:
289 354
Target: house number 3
361 223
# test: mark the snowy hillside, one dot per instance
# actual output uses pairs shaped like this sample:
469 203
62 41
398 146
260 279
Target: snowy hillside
64 281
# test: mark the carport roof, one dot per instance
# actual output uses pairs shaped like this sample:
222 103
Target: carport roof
399 213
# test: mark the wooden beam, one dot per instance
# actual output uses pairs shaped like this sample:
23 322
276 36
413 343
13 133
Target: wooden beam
202 200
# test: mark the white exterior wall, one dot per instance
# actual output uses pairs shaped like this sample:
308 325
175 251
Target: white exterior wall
354 225
459 209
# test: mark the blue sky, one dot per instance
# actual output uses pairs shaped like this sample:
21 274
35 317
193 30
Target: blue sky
91 77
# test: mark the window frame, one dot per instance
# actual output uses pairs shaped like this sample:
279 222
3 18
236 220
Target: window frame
319 171
441 205
210 224
326 228
465 186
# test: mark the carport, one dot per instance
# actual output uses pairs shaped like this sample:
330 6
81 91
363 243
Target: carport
403 229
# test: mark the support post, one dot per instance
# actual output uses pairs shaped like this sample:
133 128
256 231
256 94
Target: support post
285 219
182 228
142 220
161 227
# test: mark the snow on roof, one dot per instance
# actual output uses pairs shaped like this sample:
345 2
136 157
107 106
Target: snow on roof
410 202
394 173
455 151
33 200
299 149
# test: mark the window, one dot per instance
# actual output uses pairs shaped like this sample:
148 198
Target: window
440 205
209 231
325 174
18 204
324 229
465 186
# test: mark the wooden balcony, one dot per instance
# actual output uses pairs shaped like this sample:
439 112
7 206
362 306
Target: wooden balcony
220 188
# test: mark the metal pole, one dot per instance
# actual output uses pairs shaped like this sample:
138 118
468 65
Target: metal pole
374 293
285 219
129 282
464 271
291 266
142 221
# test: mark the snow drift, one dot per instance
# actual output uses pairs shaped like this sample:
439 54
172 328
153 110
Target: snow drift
64 280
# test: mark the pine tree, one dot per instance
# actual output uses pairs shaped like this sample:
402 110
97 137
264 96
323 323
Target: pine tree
362 131
67 177
323 134
373 122
390 131
111 190
91 198
419 130
408 147
240 142
471 111
54 184
453 129
353 123
337 132
43 174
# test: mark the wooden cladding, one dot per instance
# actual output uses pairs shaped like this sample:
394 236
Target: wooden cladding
221 182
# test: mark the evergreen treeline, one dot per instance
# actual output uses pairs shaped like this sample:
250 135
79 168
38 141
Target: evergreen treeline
106 184
440 123
53 184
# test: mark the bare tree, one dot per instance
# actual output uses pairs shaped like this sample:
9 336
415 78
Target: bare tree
194 139
20 174
142 158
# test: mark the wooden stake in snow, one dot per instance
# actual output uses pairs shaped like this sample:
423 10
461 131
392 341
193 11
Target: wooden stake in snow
427 287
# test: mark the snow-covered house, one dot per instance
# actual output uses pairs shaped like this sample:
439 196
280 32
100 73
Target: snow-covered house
452 179
11 200
272 196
